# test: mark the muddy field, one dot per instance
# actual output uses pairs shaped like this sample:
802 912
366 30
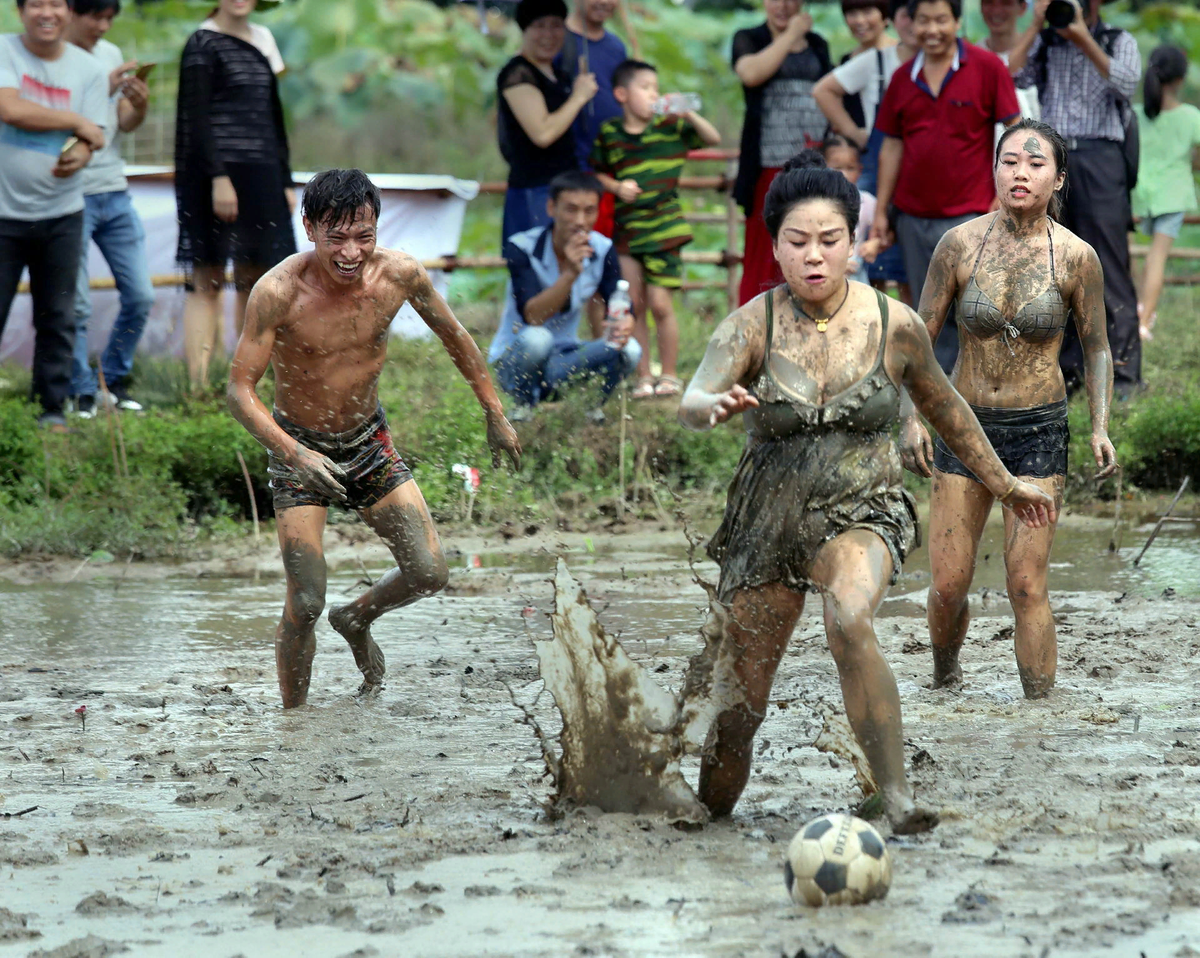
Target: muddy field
185 814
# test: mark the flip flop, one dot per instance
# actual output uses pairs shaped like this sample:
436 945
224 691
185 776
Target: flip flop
668 386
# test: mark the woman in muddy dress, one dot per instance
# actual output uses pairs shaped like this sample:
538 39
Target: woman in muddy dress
818 365
1015 275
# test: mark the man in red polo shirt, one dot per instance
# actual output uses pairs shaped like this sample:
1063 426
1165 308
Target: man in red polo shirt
939 118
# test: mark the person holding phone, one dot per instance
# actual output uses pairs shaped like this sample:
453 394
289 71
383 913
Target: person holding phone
233 177
537 104
51 93
109 219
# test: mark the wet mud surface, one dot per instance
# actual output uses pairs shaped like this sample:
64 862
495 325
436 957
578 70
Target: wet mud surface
186 813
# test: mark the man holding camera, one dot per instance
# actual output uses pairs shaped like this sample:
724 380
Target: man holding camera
1086 72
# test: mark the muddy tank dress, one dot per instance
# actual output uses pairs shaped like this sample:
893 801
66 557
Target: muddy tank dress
1031 441
810 473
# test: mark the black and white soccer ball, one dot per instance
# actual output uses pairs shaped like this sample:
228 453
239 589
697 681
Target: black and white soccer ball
837 860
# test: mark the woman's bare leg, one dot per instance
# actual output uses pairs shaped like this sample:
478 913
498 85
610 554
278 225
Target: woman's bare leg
958 510
760 623
245 276
1027 561
1153 278
852 573
202 323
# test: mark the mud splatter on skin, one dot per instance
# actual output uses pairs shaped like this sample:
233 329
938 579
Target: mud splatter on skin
1034 148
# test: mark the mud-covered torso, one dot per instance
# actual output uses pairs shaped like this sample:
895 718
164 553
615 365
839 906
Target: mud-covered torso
870 405
1038 320
330 350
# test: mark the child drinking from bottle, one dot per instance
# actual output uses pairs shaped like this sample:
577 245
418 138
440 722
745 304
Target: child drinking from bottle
639 157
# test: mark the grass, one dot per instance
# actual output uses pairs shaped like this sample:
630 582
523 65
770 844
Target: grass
70 495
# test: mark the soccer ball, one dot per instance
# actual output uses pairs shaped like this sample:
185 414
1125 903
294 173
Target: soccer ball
837 860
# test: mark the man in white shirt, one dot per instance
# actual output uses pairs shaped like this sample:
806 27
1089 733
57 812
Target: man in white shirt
52 107
110 220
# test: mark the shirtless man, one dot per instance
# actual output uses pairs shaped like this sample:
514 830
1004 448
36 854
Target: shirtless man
322 319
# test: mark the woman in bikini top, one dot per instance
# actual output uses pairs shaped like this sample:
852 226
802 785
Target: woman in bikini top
817 502
1015 276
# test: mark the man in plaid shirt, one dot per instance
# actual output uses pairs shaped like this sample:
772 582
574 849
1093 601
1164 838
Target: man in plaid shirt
1085 74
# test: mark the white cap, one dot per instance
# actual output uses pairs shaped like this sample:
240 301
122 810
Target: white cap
623 284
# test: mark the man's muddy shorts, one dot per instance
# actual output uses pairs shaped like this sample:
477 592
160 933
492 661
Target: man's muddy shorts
372 465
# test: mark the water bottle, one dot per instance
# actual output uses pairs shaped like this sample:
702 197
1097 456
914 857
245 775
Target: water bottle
677 104
620 303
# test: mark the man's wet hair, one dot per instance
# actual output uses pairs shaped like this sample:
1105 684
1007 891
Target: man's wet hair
800 185
574 180
21 4
955 7
333 197
1058 149
627 69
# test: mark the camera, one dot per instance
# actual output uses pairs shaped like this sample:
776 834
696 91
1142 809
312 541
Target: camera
1061 13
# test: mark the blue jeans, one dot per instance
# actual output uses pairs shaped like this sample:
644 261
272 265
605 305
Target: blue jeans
110 220
533 369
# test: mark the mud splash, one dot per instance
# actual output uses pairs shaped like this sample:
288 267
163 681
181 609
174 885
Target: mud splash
623 735
621 741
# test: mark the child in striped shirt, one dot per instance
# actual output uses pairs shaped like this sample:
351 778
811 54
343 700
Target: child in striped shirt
639 156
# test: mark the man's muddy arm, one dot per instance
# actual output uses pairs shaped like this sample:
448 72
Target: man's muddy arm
250 361
715 393
264 310
467 358
945 408
960 430
1087 305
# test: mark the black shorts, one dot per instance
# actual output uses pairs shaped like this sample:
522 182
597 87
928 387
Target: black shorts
373 467
1031 442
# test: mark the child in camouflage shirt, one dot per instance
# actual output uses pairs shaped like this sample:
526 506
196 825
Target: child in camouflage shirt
639 156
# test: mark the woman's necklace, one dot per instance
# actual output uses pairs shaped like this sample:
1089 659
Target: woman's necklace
822 324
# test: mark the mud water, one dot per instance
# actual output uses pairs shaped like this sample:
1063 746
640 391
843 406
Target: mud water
186 814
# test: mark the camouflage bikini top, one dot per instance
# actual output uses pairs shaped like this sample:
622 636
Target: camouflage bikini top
1039 320
870 405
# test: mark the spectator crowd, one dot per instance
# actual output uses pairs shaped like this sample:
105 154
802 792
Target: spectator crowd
592 212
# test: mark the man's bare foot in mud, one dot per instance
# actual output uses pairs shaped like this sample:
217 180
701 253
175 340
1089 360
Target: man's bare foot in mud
947 672
908 818
367 655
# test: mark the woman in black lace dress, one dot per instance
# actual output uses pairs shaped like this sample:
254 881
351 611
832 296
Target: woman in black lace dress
233 181
537 104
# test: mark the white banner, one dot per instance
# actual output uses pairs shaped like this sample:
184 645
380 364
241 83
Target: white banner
422 215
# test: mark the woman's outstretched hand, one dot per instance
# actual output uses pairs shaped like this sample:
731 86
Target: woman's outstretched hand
1031 505
729 404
